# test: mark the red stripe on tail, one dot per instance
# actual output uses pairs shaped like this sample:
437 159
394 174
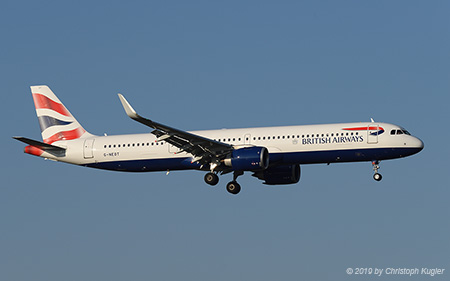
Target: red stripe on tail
41 101
66 135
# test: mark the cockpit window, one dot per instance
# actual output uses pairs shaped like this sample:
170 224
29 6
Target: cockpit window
404 132
400 132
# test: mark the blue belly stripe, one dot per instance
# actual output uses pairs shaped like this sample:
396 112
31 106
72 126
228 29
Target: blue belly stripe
309 157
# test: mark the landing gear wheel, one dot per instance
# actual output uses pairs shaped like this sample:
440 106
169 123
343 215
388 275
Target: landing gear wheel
233 187
377 177
376 166
211 179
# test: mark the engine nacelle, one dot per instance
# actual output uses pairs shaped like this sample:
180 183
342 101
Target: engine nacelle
248 159
287 174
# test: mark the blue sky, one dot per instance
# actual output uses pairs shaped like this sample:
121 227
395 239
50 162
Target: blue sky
206 65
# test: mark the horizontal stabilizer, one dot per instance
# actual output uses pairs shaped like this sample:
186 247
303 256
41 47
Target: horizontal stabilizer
40 145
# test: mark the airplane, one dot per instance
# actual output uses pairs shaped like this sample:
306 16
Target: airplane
271 154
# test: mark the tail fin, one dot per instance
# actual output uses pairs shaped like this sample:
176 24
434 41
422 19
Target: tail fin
56 122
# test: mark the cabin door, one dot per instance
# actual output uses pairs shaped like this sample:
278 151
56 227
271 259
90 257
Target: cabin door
372 133
88 148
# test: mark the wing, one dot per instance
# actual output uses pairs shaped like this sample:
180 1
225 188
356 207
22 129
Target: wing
203 149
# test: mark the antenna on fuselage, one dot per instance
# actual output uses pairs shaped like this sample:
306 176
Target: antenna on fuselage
371 119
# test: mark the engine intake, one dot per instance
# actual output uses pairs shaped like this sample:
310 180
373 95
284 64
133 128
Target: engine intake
287 174
248 159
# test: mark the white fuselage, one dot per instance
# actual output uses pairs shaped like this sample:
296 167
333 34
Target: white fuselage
330 143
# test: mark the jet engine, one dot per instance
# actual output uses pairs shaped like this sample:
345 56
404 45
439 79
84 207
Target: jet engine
248 159
287 174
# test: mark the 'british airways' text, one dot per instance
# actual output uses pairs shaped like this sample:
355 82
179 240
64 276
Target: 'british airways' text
324 140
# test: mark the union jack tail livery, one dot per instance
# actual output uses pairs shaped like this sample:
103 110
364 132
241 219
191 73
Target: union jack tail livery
56 122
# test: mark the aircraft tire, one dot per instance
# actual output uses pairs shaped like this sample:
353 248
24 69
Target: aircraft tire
211 179
233 187
377 177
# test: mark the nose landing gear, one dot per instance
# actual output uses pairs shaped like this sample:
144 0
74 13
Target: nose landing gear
376 166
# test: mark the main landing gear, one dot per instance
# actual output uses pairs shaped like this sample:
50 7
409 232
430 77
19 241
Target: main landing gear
376 166
211 178
232 187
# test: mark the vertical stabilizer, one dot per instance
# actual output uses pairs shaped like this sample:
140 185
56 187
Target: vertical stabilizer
56 122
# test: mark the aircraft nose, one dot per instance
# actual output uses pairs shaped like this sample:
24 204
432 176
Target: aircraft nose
418 144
